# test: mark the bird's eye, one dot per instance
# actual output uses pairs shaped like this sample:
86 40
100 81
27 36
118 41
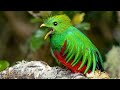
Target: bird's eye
55 23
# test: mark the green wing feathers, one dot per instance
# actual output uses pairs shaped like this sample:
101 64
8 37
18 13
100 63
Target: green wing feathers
80 48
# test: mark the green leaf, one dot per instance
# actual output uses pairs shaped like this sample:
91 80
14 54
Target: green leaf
3 64
37 39
83 26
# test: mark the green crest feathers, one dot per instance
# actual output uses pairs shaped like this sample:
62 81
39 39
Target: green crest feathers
62 17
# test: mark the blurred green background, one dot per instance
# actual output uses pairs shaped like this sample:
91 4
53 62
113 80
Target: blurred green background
21 38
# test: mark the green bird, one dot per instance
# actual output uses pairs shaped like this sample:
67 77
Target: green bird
71 47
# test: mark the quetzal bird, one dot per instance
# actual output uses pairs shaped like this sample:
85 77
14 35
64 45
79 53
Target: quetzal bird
71 47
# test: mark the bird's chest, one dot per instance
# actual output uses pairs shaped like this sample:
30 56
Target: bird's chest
56 42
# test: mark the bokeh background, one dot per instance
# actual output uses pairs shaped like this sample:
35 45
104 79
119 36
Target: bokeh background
21 38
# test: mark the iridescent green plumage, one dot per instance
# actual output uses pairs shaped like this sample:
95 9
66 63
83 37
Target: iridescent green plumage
78 47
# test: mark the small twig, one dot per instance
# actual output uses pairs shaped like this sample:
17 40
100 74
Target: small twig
33 14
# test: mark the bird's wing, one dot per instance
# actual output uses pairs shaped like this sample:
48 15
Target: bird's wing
80 48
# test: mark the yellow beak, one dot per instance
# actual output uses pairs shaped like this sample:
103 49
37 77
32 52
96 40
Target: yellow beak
47 33
42 25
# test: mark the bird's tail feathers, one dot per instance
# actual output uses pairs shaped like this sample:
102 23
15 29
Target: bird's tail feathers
99 62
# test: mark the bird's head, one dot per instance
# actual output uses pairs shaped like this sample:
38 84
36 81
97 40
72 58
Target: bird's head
57 24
